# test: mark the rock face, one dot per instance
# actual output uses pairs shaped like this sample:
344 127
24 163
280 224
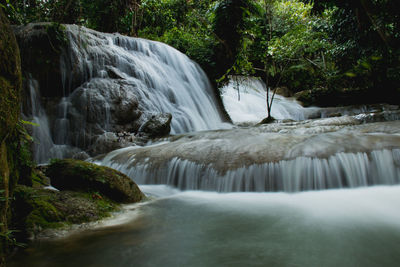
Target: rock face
102 105
42 45
79 175
10 85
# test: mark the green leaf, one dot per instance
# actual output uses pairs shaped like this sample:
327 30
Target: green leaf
29 123
350 74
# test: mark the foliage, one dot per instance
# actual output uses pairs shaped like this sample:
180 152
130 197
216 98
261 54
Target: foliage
102 15
301 44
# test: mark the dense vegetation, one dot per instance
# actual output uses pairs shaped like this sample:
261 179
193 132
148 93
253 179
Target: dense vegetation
350 47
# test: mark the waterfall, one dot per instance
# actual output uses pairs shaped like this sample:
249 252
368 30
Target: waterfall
314 155
343 170
44 147
114 84
245 100
156 76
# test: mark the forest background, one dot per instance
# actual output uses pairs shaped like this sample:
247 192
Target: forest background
338 52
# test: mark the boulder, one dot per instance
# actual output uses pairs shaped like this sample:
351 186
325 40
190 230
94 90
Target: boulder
157 125
76 175
38 212
99 106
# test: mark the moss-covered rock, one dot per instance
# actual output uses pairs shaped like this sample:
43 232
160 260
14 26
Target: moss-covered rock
77 175
10 86
10 79
38 209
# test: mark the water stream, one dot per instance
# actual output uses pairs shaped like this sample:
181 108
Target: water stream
320 187
357 227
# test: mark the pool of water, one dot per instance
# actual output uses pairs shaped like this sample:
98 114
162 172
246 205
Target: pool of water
346 227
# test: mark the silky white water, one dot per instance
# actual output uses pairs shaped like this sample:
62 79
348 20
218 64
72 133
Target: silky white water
114 83
44 145
161 78
245 100
312 155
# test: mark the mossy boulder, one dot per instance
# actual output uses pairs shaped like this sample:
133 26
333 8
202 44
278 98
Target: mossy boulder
10 78
36 210
77 175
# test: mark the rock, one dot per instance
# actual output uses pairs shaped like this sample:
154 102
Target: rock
42 45
81 155
108 142
76 175
337 114
36 210
267 120
284 91
157 126
102 105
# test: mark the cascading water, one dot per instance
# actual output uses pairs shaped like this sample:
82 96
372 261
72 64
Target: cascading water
317 154
245 100
44 147
117 79
113 83
158 77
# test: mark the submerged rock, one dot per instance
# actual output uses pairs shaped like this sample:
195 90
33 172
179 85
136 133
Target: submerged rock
76 175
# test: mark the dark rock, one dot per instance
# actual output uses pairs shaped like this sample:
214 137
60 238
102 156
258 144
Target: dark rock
157 126
42 45
69 174
267 120
108 142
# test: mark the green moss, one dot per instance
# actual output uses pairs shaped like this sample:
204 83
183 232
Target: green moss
69 174
43 215
10 87
57 37
40 209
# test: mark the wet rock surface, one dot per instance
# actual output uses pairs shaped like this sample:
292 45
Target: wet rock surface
157 126
83 176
